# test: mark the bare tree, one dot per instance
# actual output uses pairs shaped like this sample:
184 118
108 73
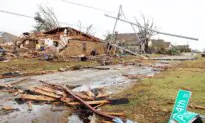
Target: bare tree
146 27
45 19
89 30
107 36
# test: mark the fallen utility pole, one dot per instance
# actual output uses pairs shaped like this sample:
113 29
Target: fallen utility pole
163 33
114 45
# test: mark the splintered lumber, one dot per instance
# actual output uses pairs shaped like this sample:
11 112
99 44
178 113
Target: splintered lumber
115 114
84 96
90 93
8 108
11 90
29 105
197 107
90 102
51 90
37 97
44 88
87 105
192 106
39 91
5 86
66 100
101 95
54 86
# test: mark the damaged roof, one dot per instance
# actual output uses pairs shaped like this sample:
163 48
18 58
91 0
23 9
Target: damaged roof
76 35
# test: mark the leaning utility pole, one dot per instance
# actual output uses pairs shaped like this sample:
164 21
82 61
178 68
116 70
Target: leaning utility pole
113 35
163 33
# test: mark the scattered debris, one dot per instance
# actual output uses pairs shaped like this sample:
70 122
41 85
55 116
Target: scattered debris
9 108
137 76
61 95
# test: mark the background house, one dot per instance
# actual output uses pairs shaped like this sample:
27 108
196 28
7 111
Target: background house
159 46
126 40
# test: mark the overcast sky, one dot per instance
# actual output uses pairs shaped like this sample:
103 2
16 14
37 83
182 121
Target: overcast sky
182 17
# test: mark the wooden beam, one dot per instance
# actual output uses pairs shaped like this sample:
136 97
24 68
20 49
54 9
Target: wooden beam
36 97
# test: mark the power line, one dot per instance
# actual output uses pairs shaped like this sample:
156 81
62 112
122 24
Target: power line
27 16
86 6
17 14
23 15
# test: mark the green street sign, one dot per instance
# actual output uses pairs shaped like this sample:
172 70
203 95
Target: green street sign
185 117
181 103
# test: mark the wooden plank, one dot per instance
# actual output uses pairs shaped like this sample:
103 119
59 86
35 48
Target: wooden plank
101 95
84 96
115 114
39 91
90 102
66 100
36 97
90 93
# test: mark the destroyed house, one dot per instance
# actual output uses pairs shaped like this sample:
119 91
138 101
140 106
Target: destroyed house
68 41
75 42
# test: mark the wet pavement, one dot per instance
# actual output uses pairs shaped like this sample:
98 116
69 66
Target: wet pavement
112 80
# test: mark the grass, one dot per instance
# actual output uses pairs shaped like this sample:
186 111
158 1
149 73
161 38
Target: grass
33 65
149 97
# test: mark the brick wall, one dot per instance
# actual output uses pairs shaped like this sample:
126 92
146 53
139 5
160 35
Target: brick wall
76 48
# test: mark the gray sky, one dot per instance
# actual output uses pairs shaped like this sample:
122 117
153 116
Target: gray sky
183 17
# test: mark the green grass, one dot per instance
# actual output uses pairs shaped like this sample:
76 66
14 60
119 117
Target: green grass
149 98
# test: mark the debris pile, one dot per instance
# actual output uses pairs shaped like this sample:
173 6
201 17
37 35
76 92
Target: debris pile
62 95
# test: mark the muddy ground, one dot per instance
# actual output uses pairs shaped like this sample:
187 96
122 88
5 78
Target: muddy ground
111 80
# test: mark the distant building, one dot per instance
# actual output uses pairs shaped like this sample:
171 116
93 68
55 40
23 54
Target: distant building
131 42
183 48
126 40
159 45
